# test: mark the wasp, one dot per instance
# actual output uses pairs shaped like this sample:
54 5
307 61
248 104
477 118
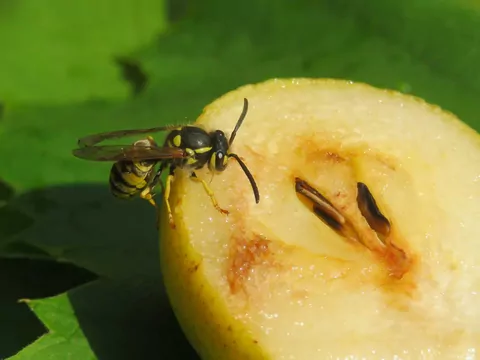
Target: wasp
186 147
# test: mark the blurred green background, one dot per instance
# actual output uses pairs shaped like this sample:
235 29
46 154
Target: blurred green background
70 68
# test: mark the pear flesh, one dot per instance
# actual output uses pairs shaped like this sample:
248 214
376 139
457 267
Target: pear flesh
399 278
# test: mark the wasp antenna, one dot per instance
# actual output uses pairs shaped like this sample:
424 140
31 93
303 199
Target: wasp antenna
249 176
240 121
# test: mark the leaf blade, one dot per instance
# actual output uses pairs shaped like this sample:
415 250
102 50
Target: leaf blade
73 45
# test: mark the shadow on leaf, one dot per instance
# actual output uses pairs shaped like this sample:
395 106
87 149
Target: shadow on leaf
133 74
125 314
6 190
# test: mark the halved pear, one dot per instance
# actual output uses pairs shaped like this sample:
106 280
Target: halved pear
388 267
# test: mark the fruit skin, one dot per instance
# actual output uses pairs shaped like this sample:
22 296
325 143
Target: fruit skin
200 307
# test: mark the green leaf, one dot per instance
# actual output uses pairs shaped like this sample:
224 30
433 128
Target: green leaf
110 319
65 339
451 50
60 51
20 278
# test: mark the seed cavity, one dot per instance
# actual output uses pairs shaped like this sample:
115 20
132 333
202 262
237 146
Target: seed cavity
330 215
396 259
370 211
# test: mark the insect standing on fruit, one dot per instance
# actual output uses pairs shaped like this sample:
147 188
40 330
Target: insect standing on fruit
186 147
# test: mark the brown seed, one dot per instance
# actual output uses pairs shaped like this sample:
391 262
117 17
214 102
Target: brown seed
370 211
321 206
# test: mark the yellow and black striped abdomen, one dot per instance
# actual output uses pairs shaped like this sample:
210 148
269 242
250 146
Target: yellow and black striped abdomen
128 178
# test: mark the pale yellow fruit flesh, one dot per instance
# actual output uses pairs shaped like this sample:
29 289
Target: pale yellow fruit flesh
271 280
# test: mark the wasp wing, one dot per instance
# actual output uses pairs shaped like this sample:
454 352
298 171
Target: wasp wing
97 138
127 152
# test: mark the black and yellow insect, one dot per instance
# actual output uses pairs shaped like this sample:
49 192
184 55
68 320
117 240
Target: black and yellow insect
186 147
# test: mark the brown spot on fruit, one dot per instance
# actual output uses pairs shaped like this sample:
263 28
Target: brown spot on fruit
333 157
192 269
312 153
397 261
244 255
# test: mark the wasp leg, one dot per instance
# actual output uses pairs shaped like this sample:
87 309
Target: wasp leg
156 179
209 192
166 195
148 192
148 195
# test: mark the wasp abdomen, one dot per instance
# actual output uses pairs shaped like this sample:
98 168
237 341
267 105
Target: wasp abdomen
128 178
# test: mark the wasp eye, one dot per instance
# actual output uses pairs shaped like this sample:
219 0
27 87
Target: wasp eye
220 161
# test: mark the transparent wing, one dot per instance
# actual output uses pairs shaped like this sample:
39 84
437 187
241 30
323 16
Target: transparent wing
96 138
127 152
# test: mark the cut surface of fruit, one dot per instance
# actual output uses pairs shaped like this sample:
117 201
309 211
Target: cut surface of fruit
382 264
